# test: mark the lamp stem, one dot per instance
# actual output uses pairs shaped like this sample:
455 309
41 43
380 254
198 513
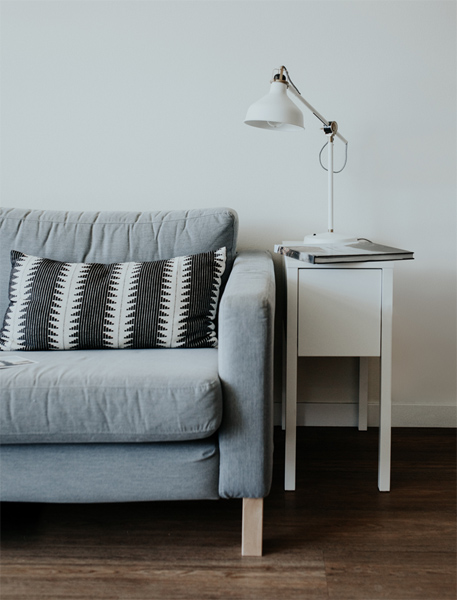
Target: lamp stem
330 184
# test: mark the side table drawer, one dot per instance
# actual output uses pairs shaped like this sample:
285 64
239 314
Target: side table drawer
339 312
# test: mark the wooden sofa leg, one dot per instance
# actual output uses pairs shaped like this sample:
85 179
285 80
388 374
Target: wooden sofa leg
252 527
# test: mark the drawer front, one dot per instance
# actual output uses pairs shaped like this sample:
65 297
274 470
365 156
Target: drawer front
339 312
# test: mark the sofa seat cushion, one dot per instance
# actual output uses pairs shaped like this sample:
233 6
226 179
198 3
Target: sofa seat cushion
111 396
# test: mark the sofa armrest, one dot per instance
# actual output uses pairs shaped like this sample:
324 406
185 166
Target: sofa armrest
246 329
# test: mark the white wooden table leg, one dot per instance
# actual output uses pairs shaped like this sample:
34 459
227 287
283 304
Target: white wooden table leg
363 393
291 379
385 404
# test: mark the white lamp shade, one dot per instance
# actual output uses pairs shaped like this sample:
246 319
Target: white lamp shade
275 111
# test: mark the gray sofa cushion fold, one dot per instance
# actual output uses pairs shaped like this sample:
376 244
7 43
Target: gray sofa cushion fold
111 396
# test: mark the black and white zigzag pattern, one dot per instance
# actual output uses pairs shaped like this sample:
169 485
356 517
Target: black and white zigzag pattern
73 306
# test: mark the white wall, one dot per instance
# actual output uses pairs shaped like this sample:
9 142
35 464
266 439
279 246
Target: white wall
140 105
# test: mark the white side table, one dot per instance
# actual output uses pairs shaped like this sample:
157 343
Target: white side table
342 309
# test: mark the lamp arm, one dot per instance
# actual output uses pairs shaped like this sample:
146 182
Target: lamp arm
297 94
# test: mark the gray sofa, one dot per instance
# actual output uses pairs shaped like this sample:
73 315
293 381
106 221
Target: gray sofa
124 425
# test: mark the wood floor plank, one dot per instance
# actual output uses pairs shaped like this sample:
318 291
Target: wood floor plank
160 557
179 584
107 579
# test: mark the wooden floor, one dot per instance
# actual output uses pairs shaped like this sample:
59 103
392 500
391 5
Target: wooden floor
335 537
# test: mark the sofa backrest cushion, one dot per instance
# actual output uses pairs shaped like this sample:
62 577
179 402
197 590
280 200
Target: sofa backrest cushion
111 237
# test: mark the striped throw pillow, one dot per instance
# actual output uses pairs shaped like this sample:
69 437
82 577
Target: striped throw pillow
74 306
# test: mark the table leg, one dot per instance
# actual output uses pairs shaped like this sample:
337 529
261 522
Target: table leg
291 380
385 403
363 393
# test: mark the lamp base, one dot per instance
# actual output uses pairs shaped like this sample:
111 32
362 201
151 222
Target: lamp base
328 238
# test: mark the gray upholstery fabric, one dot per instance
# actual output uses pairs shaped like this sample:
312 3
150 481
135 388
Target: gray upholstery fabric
246 317
108 237
110 472
84 396
235 462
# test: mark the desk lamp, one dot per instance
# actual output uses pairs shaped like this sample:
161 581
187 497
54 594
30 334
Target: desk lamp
277 112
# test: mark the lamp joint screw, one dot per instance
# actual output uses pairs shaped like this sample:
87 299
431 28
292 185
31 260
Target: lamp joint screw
331 128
